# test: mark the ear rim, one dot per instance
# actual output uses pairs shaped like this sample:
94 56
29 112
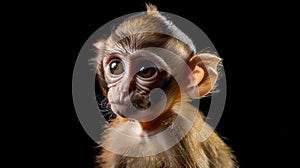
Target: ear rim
97 61
210 59
209 63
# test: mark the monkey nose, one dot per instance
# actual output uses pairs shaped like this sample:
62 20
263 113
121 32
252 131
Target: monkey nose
124 92
123 95
140 103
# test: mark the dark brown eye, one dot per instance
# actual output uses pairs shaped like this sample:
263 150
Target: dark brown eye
116 67
146 72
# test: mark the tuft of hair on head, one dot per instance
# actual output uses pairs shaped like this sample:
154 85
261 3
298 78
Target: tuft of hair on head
151 9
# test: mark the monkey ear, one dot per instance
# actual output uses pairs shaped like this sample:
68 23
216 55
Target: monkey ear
203 74
99 44
97 61
99 49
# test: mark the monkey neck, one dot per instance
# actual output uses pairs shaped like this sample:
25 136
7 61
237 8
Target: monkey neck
158 124
162 122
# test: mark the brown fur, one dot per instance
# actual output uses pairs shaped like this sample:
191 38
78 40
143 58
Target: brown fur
153 30
189 152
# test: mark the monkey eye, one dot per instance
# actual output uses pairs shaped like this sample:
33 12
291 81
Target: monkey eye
146 72
116 67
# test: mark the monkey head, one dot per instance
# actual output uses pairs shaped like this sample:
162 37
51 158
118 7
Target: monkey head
147 64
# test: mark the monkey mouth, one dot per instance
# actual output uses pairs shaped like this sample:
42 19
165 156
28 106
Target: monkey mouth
130 110
141 107
125 110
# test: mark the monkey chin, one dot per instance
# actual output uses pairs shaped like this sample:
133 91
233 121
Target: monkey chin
141 125
136 130
129 127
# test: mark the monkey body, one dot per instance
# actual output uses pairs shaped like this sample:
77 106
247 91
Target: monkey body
131 64
188 152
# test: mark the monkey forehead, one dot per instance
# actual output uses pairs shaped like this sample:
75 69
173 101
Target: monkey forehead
159 56
151 55
144 28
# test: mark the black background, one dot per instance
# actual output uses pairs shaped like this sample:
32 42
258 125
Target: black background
250 37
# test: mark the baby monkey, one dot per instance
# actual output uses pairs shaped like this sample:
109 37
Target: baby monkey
149 71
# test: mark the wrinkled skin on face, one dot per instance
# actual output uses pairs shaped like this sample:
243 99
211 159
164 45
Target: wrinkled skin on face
133 78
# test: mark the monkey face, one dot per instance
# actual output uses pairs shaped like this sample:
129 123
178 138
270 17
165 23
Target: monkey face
131 81
144 53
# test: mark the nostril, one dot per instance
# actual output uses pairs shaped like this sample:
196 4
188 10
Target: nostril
136 105
149 104
141 102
